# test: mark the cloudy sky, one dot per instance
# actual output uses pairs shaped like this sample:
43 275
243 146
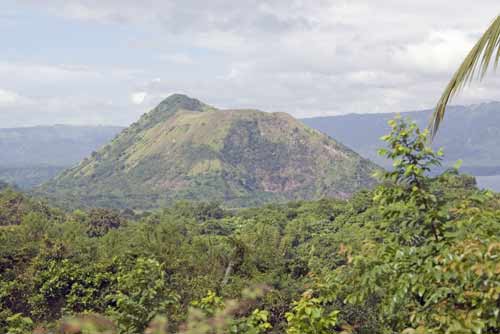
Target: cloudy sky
109 61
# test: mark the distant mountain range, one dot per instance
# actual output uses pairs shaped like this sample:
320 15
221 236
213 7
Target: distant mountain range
32 155
470 133
186 150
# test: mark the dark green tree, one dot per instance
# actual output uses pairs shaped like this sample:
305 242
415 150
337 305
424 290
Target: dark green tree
100 221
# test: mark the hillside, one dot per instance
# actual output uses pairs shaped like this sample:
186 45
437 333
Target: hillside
470 133
184 149
32 155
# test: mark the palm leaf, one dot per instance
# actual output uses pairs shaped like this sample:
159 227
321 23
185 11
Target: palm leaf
486 51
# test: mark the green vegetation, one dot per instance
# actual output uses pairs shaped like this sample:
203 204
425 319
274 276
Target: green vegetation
186 150
417 254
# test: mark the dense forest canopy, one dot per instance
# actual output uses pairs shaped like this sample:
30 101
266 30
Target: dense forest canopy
417 254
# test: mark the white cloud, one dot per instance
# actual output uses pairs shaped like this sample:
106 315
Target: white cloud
441 51
178 58
138 97
8 98
46 72
303 57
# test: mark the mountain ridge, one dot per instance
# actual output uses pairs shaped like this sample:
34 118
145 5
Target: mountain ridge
468 133
185 149
32 155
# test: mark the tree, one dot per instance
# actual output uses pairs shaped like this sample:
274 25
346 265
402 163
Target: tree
141 294
309 316
101 221
409 203
429 264
480 57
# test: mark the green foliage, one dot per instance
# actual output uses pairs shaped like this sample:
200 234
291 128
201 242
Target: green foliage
62 286
14 206
411 155
17 324
209 304
200 211
430 265
406 202
255 323
308 316
100 221
139 296
212 314
418 254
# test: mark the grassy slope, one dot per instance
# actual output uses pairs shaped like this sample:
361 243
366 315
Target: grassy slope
184 149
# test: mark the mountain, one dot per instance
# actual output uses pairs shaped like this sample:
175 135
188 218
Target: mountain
185 149
32 155
470 133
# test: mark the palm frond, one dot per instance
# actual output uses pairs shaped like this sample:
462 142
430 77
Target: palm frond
480 57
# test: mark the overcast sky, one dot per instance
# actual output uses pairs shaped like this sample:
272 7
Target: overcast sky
109 61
